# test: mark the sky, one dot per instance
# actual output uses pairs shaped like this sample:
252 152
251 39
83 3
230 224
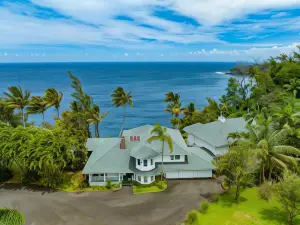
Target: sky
147 30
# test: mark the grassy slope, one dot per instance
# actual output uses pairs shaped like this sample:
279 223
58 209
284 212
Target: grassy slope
251 210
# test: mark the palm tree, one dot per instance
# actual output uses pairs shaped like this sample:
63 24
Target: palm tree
294 85
189 111
287 115
37 105
53 98
175 109
16 99
171 97
159 133
270 150
121 98
96 118
11 217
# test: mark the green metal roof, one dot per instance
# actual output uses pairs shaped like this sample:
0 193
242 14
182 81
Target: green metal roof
216 133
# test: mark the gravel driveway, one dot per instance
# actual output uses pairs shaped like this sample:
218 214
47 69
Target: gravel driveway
42 207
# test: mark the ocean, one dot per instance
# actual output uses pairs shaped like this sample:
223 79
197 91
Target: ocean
148 83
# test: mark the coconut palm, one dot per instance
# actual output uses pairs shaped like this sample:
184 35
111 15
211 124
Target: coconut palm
96 117
175 109
294 85
8 116
16 99
53 98
159 133
11 217
288 115
189 111
37 105
171 97
121 98
270 150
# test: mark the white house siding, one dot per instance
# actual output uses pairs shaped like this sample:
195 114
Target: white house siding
189 174
142 166
141 179
102 178
167 158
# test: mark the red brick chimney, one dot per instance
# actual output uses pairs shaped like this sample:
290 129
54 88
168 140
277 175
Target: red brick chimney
123 143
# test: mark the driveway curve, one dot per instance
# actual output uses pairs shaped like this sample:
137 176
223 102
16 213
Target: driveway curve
43 207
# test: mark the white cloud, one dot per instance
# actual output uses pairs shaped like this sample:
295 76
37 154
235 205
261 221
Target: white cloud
126 54
281 14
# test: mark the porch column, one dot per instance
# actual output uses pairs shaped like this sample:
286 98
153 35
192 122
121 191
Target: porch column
104 177
119 177
90 178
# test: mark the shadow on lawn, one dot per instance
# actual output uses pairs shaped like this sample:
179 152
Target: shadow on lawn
275 214
30 187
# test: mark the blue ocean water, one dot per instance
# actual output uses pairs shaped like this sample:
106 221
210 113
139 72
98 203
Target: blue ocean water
148 83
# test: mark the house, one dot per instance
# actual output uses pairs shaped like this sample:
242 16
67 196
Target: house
212 137
133 158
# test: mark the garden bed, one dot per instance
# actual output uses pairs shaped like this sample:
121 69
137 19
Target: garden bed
157 186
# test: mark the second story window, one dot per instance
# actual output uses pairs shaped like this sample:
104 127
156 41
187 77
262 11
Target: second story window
139 162
145 162
177 157
172 157
151 162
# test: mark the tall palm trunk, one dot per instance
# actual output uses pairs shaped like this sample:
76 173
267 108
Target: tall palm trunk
121 131
57 110
43 114
23 117
97 130
162 162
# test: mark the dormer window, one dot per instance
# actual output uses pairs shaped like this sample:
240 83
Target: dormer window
175 157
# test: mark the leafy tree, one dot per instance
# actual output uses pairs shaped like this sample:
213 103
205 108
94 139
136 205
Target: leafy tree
270 148
265 191
96 117
11 217
121 98
8 115
53 98
287 193
237 166
159 133
294 85
16 99
37 105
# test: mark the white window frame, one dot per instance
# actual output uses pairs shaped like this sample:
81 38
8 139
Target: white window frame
145 179
172 157
145 164
177 159
139 178
139 162
151 162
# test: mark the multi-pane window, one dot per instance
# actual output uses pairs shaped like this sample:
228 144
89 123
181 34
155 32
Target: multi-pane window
177 157
172 157
145 179
145 162
139 178
139 162
151 162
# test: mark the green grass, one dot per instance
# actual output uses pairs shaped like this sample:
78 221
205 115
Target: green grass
250 211
154 188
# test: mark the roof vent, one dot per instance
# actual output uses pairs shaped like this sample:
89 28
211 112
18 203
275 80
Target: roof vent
123 143
222 118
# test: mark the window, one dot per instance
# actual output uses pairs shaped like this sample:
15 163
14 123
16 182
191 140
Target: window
172 157
139 178
139 162
177 157
102 174
151 162
145 179
145 162
152 178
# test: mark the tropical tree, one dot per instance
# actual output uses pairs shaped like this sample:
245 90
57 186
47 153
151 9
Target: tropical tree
8 115
96 118
175 109
271 150
16 99
121 98
171 97
53 98
294 85
159 133
189 111
287 115
37 105
11 217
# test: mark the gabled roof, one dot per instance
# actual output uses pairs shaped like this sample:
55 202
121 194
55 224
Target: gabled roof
143 148
108 157
216 133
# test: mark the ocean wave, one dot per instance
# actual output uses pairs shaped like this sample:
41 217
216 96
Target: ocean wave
220 73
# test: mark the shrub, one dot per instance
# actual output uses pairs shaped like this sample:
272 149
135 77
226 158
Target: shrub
192 218
108 184
78 181
11 217
265 191
5 174
204 207
51 182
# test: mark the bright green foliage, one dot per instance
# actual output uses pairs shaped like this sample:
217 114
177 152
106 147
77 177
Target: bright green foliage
174 107
237 167
108 184
37 105
121 98
204 207
160 134
16 99
96 118
53 98
265 191
11 217
192 218
287 192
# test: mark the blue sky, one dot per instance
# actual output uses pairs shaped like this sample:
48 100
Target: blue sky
147 30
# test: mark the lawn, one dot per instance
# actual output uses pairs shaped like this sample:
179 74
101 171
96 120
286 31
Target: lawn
148 189
250 211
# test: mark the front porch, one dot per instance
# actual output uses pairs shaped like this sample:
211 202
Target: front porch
100 179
